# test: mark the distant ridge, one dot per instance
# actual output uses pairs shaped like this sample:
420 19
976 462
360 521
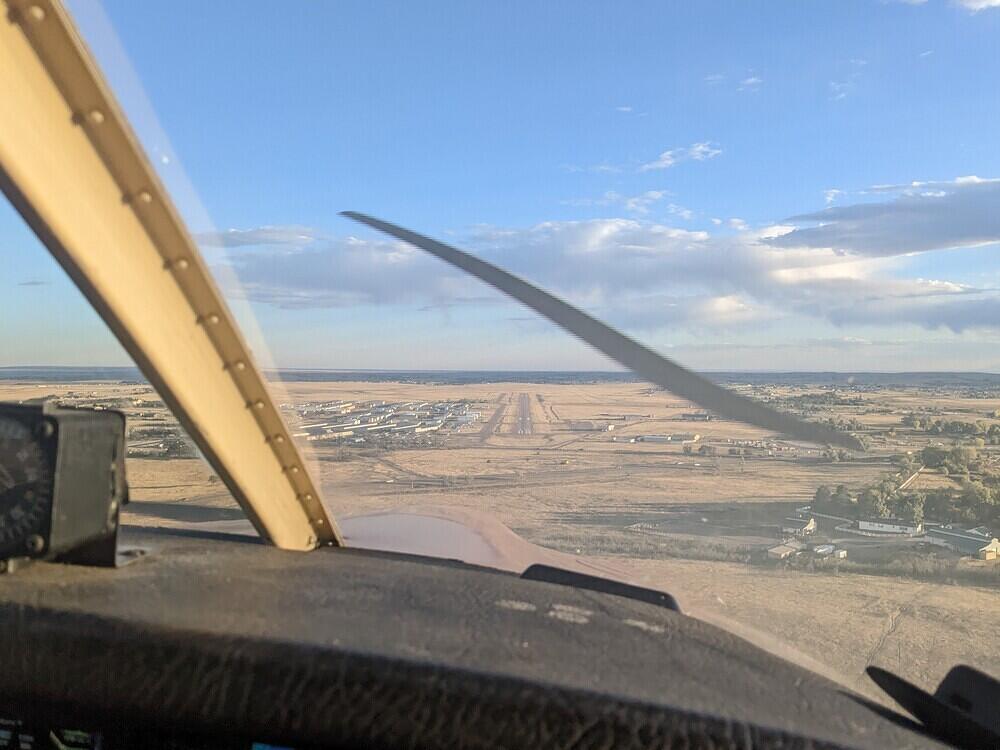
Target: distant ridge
62 374
55 374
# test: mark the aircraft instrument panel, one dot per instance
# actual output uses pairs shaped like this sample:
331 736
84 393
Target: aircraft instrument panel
16 734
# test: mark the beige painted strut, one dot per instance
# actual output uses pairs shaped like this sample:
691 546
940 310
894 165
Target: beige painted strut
73 168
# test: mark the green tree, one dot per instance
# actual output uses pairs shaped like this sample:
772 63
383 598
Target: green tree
873 504
963 455
940 506
933 456
977 503
823 495
841 496
886 488
911 506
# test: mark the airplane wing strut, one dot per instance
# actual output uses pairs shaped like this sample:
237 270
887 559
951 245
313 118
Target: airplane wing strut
123 243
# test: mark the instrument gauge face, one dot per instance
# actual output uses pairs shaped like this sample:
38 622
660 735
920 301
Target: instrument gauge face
25 484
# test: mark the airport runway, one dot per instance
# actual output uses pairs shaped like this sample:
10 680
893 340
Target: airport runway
491 426
523 426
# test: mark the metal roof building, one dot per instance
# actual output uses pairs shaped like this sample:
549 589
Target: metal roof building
967 541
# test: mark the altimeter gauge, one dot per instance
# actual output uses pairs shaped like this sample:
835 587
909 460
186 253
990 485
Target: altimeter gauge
62 483
26 473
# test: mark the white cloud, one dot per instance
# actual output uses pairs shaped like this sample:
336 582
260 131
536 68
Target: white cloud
623 109
665 160
641 274
714 78
751 83
267 235
917 186
847 83
977 5
927 53
636 204
593 168
609 198
840 89
640 203
679 211
973 5
701 151
831 195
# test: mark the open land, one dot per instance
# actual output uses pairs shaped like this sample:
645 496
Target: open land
630 474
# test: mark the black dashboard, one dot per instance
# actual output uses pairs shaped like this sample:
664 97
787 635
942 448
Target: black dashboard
21 734
215 642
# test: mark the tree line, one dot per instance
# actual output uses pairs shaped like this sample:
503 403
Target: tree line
975 501
980 428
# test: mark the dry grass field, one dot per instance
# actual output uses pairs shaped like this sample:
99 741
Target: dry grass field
674 518
845 622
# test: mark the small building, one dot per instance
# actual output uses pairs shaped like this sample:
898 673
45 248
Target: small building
781 552
823 550
990 552
798 526
840 554
684 437
699 416
677 437
967 541
331 435
381 427
890 526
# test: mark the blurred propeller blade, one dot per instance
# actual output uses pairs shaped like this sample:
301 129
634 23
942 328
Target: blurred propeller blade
643 361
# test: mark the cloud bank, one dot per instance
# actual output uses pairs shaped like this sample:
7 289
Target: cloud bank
849 270
923 216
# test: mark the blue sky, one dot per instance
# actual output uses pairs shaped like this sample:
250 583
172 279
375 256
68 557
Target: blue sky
760 185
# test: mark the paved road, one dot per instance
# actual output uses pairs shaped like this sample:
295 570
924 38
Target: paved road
524 426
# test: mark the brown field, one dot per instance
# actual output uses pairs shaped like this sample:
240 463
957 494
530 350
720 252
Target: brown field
845 622
584 492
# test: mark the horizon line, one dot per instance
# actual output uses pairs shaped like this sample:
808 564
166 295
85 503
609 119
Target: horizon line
525 370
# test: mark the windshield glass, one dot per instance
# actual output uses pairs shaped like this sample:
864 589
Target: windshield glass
799 200
54 347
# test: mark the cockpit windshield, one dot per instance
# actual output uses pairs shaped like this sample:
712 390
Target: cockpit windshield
798 200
